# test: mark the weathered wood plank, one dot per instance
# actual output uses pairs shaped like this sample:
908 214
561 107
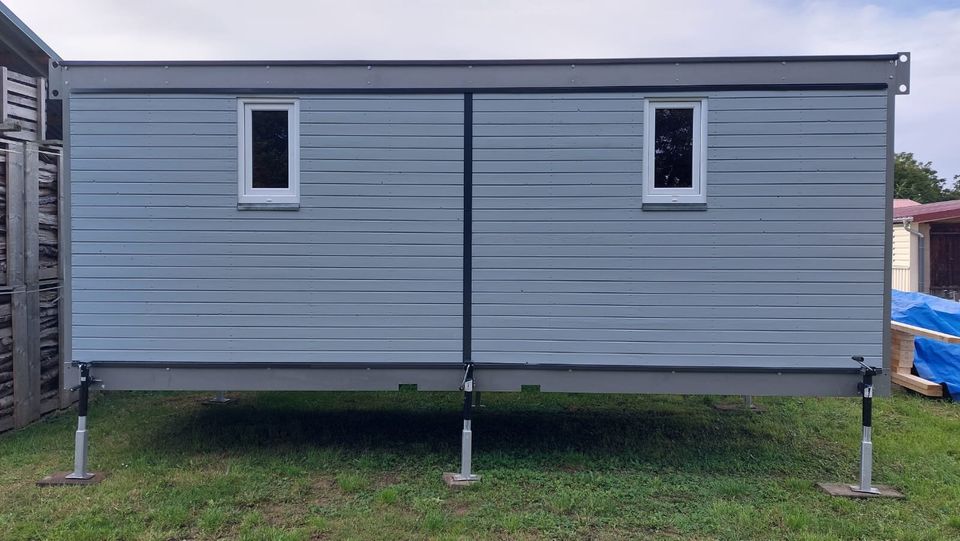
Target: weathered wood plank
3 94
23 388
31 272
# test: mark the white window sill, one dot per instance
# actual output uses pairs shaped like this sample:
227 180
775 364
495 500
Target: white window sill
673 206
268 206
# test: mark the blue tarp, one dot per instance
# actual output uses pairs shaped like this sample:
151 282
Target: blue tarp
933 360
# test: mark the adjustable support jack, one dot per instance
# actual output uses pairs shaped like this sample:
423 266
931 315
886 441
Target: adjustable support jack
79 475
865 487
219 398
465 476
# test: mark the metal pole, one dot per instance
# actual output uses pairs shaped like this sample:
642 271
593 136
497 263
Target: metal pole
80 443
466 440
866 443
748 401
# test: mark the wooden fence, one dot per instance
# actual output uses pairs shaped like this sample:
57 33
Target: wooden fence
31 375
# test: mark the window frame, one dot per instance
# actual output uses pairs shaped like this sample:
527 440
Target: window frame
288 197
697 193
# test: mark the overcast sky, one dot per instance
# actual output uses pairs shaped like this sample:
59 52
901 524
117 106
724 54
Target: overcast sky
927 120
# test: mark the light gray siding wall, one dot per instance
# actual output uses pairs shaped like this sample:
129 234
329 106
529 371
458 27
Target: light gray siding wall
785 268
166 268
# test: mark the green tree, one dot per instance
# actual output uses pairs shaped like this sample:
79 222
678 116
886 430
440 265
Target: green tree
919 181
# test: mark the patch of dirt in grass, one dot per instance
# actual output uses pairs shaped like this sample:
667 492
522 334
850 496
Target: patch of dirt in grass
325 491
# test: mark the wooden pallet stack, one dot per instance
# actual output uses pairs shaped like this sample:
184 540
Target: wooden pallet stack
901 357
31 375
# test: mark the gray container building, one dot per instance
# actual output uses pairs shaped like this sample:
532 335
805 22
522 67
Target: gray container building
682 225
707 225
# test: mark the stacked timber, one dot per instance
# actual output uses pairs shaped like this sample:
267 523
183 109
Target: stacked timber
3 213
49 221
6 364
49 349
31 374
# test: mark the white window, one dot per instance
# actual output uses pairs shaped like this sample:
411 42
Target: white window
269 141
674 160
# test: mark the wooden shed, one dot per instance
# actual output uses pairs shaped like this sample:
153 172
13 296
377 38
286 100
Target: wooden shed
31 377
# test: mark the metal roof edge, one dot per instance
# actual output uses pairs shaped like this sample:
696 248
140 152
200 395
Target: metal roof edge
488 62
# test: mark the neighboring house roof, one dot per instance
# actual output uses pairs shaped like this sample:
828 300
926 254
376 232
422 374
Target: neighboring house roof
930 212
20 48
899 203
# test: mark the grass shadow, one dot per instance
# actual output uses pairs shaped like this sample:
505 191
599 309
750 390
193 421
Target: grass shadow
666 435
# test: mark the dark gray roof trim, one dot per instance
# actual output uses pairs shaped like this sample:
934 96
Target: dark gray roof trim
874 71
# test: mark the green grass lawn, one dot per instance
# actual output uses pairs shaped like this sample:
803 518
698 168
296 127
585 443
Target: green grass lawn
368 465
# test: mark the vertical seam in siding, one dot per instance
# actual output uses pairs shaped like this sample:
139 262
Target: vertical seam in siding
467 226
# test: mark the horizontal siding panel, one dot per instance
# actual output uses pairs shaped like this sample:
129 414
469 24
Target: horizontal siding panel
772 326
670 251
722 103
331 129
758 141
228 188
188 272
639 263
701 240
554 118
735 312
335 336
798 128
241 355
798 115
182 129
228 116
98 322
636 347
569 269
308 261
680 275
383 284
226 236
381 117
644 283
217 213
795 152
449 283
214 309
117 143
173 248
627 103
425 201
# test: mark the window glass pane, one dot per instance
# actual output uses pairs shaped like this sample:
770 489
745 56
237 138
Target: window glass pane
673 148
270 151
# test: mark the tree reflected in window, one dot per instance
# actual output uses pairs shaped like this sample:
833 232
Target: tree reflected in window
673 148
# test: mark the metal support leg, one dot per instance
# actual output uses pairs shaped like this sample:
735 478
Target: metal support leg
866 442
865 488
79 475
80 449
219 398
747 402
465 476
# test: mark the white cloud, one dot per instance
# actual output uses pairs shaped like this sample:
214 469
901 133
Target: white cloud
371 29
